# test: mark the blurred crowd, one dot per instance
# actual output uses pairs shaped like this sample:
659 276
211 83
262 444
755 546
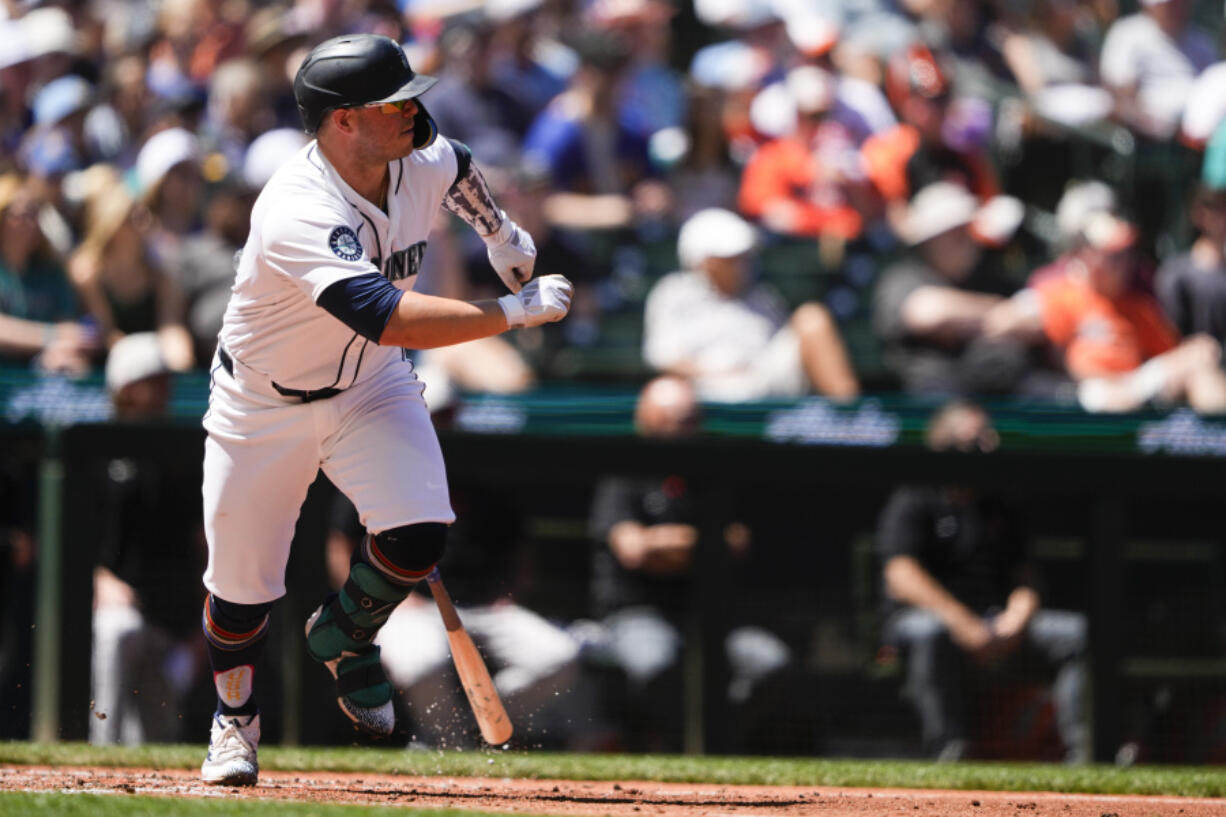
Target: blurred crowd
1023 198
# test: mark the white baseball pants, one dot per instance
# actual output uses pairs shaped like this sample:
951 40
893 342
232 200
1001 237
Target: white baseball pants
374 441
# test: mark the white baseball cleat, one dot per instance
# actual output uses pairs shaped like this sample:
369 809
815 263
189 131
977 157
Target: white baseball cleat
231 760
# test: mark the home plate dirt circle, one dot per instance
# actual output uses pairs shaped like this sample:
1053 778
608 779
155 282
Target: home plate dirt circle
618 799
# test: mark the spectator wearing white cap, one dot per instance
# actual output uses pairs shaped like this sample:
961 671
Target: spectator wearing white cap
734 339
56 143
168 175
137 377
930 308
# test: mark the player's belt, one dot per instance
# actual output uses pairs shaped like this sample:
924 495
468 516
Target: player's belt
304 395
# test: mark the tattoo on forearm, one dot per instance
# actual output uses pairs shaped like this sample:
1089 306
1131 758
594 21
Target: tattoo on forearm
470 199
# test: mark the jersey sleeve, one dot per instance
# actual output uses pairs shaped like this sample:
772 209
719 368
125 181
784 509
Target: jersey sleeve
315 246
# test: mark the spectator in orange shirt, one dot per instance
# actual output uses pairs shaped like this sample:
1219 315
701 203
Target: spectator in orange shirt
805 183
1114 338
920 150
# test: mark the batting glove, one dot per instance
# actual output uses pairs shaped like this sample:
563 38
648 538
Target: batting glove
512 253
543 300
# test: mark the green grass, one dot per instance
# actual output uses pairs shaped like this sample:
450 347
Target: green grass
106 805
1187 781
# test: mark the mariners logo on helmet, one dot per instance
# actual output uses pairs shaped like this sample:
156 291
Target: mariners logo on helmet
345 244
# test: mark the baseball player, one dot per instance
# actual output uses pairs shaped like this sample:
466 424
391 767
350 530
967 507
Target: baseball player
310 374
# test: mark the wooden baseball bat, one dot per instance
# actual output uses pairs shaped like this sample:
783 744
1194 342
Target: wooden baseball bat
474 676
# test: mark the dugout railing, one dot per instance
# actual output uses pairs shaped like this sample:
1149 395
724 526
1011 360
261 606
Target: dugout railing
1105 502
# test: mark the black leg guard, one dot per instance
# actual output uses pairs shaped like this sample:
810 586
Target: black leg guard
404 555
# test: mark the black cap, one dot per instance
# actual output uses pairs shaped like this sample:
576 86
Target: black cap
352 70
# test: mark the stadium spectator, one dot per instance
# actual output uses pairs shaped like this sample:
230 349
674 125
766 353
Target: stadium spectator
56 144
960 594
473 104
704 175
168 176
1052 46
600 168
38 309
203 266
1052 51
931 143
150 546
1149 61
239 109
652 97
645 534
971 33
1191 286
1108 332
734 338
116 125
531 65
271 39
930 307
1115 340
859 104
119 282
809 181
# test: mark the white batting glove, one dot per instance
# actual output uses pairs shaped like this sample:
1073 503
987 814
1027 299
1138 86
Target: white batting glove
512 253
543 300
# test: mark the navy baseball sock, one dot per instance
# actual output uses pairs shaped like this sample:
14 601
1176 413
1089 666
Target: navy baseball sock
235 634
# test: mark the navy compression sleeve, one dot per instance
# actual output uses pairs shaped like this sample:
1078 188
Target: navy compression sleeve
364 303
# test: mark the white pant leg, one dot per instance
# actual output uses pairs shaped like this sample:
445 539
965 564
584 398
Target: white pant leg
110 675
384 454
253 491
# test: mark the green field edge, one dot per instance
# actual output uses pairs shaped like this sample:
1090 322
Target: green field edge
1092 779
23 804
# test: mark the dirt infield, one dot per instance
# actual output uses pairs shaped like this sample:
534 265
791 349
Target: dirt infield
625 799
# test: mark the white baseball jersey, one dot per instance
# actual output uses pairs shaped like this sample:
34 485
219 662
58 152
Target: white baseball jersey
309 229
374 439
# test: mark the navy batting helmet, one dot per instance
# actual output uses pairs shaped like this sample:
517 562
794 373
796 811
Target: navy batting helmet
360 69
